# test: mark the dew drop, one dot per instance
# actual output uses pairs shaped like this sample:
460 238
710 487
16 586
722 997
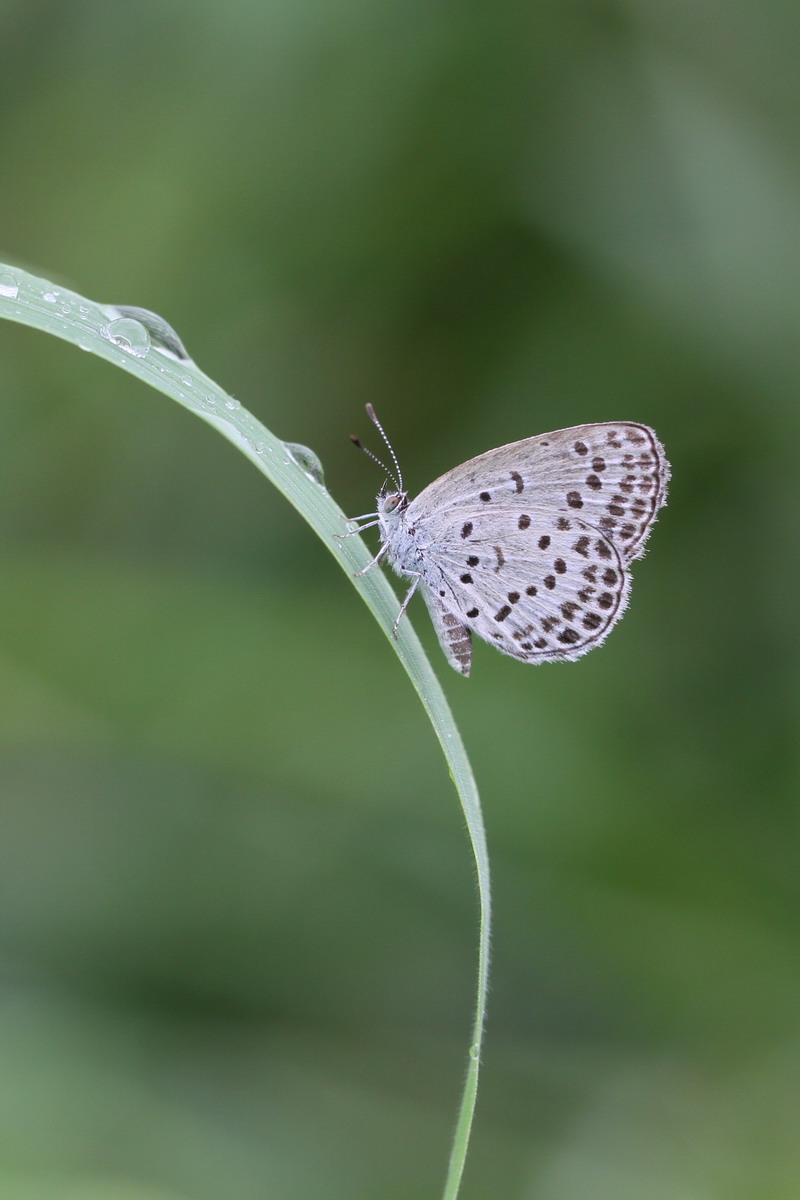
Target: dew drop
131 336
232 404
50 297
163 337
9 287
307 461
475 1052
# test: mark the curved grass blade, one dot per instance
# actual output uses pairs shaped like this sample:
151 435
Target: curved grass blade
144 345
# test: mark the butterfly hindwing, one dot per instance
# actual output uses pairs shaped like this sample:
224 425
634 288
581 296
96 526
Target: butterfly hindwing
551 590
451 629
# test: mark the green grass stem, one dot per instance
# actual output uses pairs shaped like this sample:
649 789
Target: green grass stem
145 346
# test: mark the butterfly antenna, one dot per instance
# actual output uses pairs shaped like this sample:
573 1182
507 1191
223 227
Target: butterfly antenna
360 445
373 417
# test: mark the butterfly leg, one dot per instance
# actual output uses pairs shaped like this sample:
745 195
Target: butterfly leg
407 601
361 528
378 558
352 532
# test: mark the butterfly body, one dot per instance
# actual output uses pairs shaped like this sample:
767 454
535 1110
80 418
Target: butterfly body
528 545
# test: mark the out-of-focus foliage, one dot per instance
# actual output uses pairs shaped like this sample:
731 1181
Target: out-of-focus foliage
246 974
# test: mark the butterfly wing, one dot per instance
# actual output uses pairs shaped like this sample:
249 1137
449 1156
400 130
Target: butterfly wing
612 475
527 544
452 631
547 591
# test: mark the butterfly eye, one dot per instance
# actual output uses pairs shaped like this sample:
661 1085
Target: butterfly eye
392 502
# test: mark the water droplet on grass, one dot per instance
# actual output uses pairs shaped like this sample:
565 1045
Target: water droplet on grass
162 335
9 285
131 336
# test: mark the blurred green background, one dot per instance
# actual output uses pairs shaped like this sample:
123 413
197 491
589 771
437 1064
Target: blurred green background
237 908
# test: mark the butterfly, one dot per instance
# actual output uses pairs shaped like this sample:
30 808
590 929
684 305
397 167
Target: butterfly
528 545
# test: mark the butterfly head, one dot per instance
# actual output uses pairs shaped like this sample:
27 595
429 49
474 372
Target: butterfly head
391 507
392 503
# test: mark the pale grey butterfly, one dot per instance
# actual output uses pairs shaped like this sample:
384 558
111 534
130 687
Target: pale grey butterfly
527 545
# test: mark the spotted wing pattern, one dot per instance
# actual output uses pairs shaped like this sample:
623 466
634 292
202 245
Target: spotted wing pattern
527 544
551 591
613 476
452 631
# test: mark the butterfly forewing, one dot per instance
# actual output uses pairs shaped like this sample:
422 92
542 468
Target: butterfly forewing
613 475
